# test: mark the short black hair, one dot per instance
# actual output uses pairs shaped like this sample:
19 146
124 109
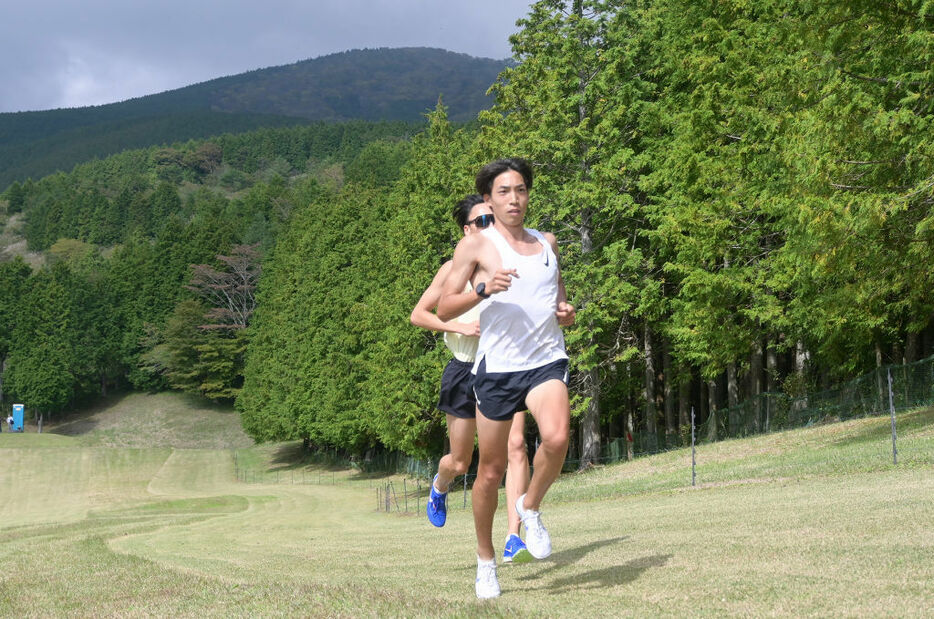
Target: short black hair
462 209
489 172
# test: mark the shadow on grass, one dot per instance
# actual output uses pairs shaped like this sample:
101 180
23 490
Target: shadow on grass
76 427
293 457
610 576
85 420
594 579
560 560
200 402
905 422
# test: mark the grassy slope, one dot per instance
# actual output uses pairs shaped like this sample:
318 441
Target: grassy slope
814 521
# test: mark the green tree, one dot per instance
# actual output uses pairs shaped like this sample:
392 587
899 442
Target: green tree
16 197
859 245
404 363
566 108
14 276
303 372
41 370
379 163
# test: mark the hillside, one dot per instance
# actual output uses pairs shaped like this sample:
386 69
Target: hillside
171 420
810 522
371 84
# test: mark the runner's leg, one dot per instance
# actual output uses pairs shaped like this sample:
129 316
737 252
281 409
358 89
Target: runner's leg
461 433
493 437
549 405
517 471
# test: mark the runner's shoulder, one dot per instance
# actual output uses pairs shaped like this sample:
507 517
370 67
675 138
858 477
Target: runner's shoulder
473 242
551 239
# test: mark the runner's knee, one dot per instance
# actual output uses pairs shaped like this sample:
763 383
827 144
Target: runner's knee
517 448
459 465
556 441
491 471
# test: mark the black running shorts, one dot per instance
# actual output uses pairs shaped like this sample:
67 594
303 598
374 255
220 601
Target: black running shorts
499 395
457 396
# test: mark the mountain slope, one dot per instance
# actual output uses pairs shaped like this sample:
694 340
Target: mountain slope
370 84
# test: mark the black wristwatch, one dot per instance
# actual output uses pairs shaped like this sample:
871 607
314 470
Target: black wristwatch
481 290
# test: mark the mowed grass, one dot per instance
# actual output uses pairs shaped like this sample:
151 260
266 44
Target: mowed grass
815 521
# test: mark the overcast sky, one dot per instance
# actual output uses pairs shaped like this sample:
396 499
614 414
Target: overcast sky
62 53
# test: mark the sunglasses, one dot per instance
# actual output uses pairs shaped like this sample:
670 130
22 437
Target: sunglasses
482 221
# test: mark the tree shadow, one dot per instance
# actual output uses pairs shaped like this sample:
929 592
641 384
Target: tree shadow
81 420
196 401
293 456
904 422
76 427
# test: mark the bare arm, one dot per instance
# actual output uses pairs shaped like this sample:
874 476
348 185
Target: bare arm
454 301
565 312
471 260
423 315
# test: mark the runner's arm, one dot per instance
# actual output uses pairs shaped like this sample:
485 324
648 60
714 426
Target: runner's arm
453 300
565 312
423 315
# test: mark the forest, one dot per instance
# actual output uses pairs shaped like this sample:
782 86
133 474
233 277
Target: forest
129 254
742 193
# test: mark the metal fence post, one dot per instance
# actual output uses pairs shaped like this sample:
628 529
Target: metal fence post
395 499
693 458
892 409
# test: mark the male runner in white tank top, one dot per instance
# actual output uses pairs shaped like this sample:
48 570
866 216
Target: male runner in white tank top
521 355
457 398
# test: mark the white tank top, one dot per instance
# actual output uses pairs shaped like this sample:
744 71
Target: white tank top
464 347
518 327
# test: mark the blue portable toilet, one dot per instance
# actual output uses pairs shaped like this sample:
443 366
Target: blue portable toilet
18 410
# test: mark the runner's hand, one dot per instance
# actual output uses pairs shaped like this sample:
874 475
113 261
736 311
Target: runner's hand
501 281
565 314
469 328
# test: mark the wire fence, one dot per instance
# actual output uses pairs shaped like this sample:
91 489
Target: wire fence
886 390
866 396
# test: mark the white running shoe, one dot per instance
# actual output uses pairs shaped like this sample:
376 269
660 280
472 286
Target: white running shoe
537 539
487 585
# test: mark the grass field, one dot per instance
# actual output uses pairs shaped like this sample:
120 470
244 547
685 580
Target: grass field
135 509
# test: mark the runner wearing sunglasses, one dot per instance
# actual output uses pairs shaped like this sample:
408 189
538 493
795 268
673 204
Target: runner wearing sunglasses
461 335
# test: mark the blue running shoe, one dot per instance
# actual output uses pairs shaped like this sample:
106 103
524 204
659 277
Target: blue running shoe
437 506
515 551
